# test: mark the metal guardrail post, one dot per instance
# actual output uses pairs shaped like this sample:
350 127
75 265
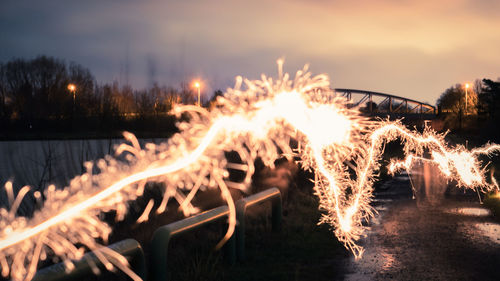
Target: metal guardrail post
273 194
235 245
129 248
161 239
230 249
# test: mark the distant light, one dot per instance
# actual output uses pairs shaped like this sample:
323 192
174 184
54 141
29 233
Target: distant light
71 87
197 85
467 85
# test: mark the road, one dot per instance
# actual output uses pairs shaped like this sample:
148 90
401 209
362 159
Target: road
442 234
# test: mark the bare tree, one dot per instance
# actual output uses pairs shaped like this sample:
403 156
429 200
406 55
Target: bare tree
84 81
145 103
454 108
4 112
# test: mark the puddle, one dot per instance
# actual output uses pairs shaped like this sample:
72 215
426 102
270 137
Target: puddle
490 230
380 208
380 200
475 212
371 264
388 261
375 220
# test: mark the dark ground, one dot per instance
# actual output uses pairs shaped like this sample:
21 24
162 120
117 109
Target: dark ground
442 234
438 236
302 250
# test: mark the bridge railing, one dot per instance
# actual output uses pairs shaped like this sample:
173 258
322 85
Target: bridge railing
390 103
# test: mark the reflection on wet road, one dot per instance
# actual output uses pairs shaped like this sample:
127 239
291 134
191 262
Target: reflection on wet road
444 234
478 212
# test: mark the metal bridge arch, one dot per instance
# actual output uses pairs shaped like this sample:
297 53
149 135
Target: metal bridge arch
391 104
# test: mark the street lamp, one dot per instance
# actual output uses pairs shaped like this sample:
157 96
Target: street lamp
72 89
466 88
198 86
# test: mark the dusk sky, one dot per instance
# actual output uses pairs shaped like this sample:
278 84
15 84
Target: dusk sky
414 49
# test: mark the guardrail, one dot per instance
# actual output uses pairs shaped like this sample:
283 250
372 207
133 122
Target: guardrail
132 250
162 235
129 248
272 194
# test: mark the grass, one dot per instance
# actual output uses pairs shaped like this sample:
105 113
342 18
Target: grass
492 202
302 250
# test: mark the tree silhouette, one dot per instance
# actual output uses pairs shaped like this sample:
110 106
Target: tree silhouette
48 79
34 97
4 109
37 89
489 100
452 104
84 98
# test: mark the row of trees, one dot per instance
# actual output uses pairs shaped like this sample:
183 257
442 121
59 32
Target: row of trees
36 90
476 106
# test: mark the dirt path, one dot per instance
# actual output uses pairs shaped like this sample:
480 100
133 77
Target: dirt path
452 238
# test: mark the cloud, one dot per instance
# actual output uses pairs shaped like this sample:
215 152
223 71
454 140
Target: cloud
410 48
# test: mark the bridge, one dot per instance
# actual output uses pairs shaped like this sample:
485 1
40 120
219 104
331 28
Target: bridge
383 105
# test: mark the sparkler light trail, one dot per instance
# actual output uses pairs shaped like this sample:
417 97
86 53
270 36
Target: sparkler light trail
257 120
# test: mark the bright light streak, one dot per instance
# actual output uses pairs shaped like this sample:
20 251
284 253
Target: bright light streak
337 143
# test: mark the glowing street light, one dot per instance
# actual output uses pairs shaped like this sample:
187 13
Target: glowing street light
198 86
72 89
466 88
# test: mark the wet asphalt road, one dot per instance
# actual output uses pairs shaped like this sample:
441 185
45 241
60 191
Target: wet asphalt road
437 236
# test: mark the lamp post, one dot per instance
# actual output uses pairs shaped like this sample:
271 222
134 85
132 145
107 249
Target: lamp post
466 88
72 89
198 86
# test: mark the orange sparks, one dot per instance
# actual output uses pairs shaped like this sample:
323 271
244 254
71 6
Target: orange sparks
257 121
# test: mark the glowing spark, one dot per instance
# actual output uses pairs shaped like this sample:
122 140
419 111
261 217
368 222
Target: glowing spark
258 121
